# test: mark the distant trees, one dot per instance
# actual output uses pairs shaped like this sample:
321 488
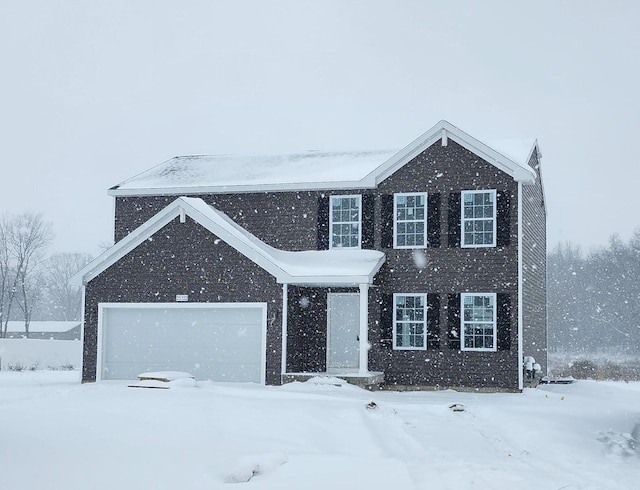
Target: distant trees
63 302
594 298
32 285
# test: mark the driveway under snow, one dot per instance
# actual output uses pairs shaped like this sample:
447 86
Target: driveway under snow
56 433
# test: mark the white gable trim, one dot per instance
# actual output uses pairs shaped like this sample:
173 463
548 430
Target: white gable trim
283 265
519 172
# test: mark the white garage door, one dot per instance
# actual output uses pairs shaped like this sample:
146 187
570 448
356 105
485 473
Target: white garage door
217 341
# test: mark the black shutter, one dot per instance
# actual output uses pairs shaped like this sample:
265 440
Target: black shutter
433 321
368 220
386 317
433 220
503 216
453 315
386 221
454 219
504 321
323 223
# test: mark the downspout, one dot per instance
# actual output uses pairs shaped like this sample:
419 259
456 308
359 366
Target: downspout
285 305
82 317
520 329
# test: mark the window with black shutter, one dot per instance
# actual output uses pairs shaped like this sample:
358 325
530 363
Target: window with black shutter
386 221
433 220
386 318
504 321
433 321
368 221
323 223
453 321
453 220
503 232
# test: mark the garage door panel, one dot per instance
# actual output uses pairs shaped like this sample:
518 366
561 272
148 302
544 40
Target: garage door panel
218 343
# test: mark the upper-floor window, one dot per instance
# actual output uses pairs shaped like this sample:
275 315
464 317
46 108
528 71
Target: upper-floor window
478 320
345 213
479 218
410 220
410 321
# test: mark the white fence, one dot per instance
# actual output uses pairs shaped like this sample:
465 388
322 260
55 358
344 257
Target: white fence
21 354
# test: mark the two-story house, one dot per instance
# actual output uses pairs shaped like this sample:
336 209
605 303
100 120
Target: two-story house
423 267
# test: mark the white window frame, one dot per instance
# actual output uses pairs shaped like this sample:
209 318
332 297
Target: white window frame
396 221
331 222
396 322
463 220
463 323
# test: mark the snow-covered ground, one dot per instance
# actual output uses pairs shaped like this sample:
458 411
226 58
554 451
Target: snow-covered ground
57 433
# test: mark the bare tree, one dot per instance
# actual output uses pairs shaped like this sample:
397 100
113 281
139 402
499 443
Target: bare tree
66 299
5 271
27 237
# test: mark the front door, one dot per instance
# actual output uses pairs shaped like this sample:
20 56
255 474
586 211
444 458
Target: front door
343 325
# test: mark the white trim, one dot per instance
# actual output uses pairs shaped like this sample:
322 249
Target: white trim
82 313
285 321
282 264
519 172
495 218
520 295
424 326
395 221
347 196
104 306
495 322
363 346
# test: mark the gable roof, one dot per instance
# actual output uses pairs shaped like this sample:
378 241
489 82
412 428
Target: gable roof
307 171
313 267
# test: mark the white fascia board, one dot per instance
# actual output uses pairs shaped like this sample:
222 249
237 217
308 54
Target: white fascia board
237 189
124 246
404 156
514 169
424 141
232 234
252 250
164 217
327 280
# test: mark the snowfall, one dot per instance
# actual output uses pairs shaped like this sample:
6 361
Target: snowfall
56 433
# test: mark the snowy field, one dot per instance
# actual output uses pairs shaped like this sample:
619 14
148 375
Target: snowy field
56 433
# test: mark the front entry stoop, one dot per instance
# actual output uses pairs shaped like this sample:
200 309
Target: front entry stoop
368 381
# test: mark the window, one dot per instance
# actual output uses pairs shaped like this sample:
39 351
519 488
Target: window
479 218
410 321
410 220
478 321
345 217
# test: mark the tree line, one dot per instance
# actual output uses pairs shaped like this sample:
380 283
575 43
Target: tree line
33 284
594 298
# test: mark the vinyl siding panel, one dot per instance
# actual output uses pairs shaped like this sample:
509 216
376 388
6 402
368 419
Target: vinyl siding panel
534 268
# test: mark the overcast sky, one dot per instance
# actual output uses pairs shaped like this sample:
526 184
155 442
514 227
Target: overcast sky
93 92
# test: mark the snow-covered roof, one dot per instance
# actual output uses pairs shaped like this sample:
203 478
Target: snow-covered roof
311 170
17 326
326 267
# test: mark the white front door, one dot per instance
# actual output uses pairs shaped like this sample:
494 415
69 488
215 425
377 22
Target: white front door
343 326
